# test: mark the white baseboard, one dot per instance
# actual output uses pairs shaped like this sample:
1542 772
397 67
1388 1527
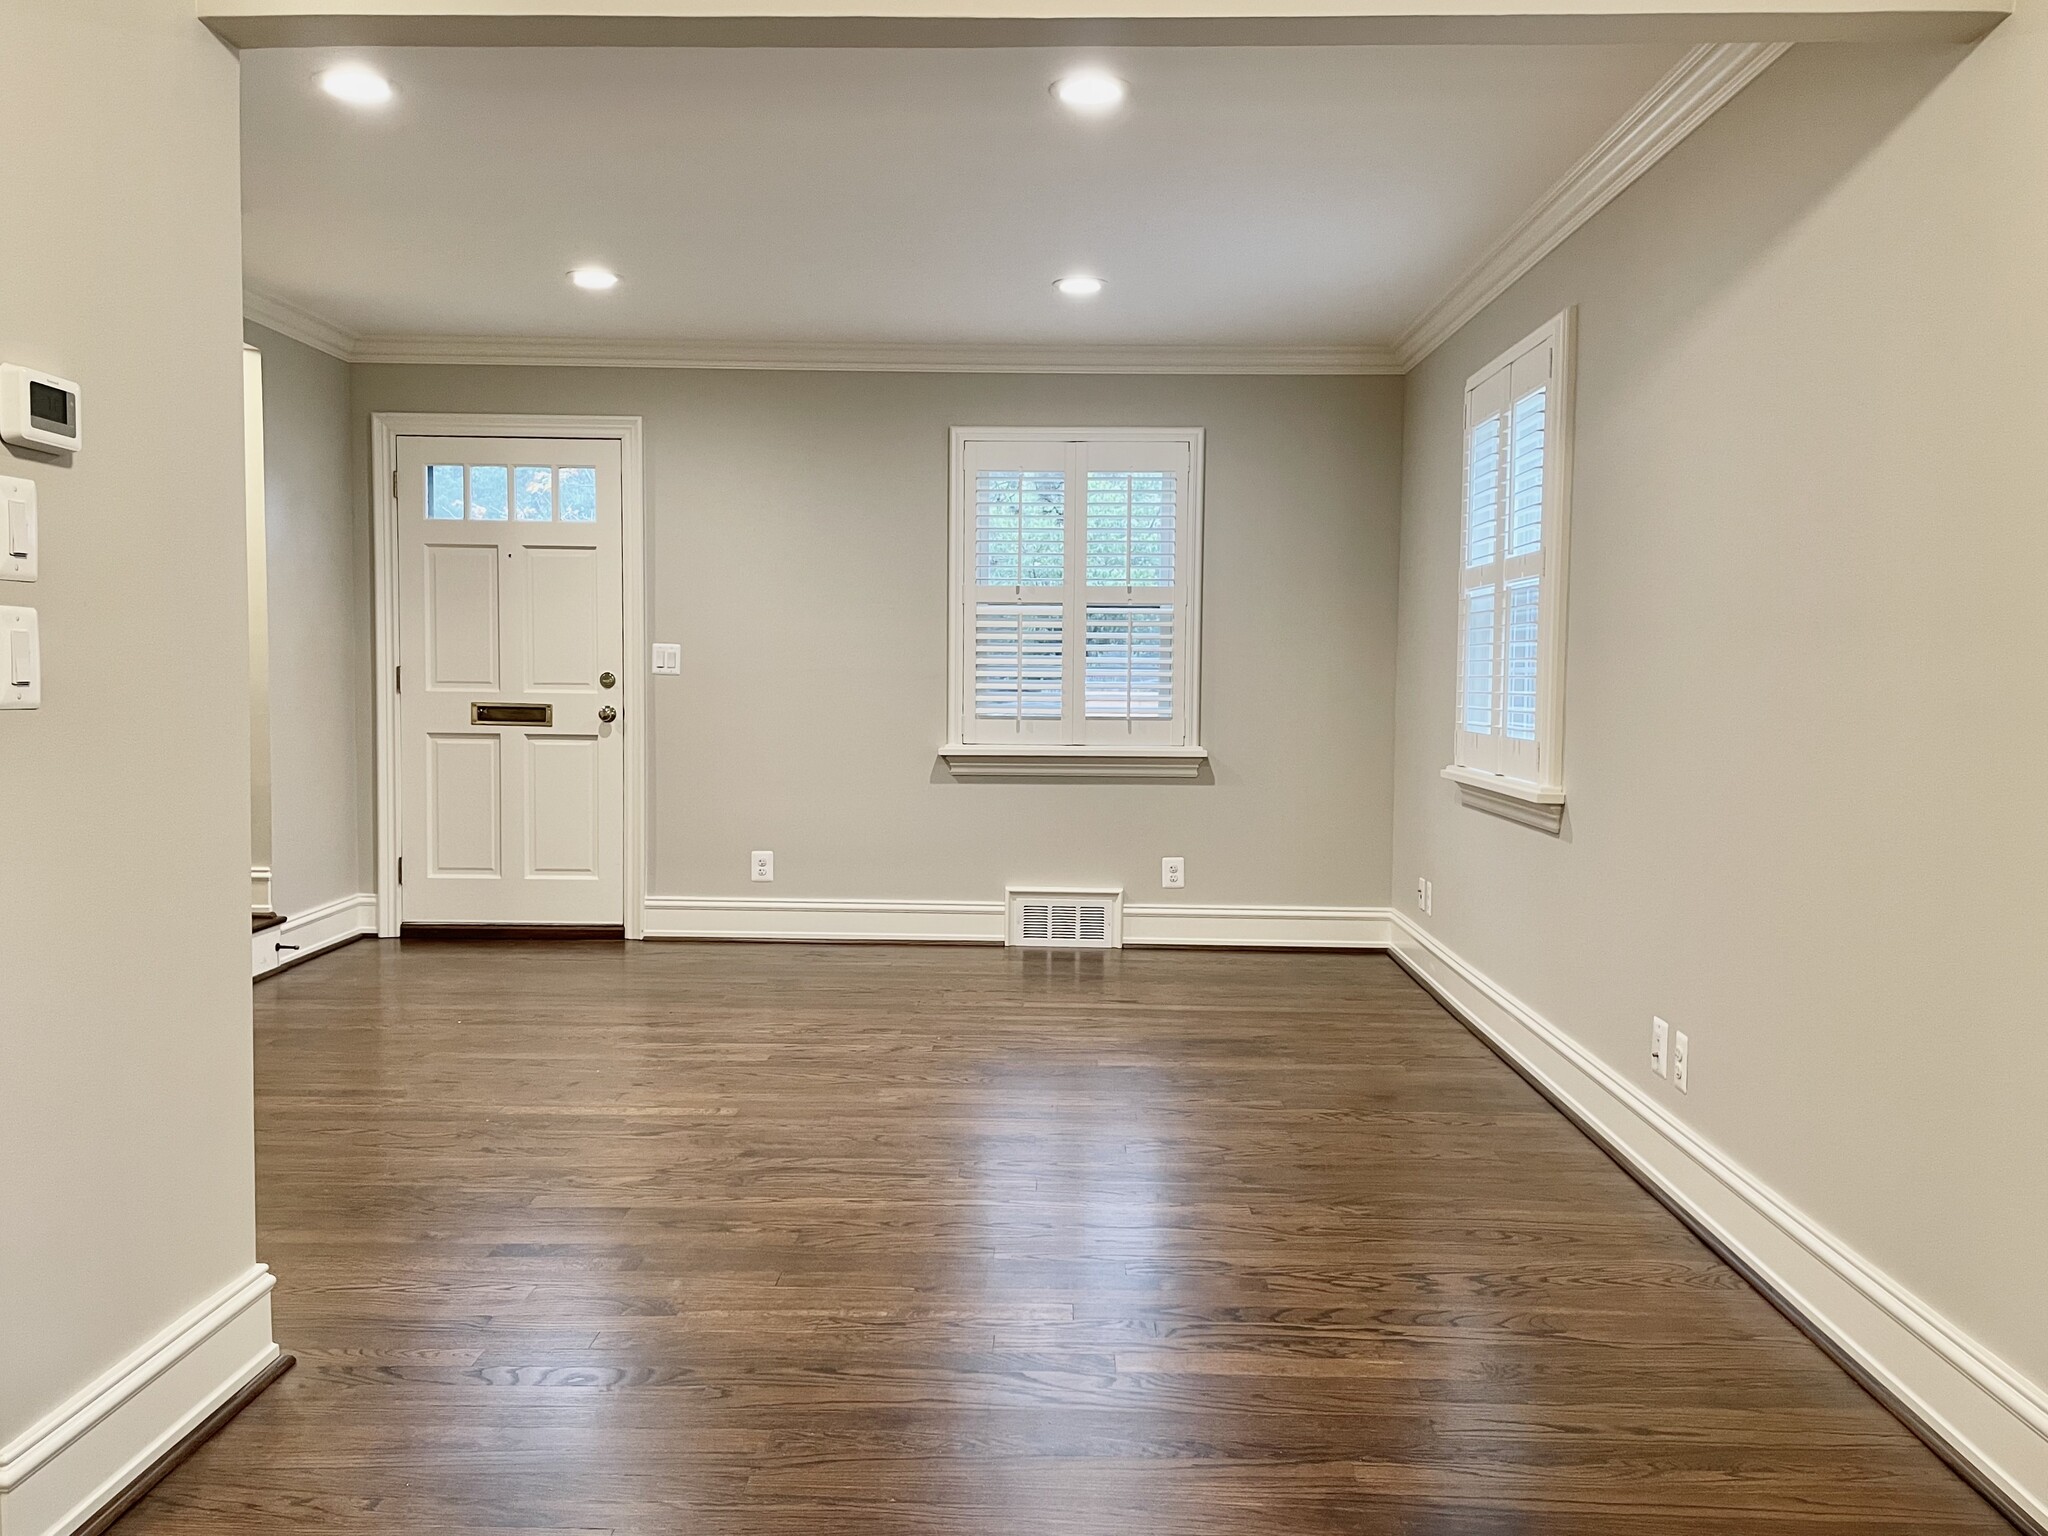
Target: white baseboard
1991 1419
63 1468
983 922
1258 927
311 931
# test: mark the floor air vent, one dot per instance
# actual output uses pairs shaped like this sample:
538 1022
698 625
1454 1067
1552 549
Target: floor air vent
1052 919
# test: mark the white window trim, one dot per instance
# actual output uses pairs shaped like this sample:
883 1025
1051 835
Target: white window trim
1535 802
1140 760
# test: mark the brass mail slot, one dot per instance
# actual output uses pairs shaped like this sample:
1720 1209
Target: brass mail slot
511 714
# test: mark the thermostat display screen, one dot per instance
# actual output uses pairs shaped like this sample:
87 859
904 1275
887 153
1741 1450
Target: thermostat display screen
49 406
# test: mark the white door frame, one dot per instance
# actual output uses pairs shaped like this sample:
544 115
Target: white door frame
386 427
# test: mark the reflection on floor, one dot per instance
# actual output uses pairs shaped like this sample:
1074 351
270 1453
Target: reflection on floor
770 1239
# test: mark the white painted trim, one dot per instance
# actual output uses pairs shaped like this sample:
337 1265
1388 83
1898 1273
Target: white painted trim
1040 758
1533 805
319 928
983 922
66 1465
259 889
299 323
872 357
1255 927
386 427
754 917
1704 81
1990 1417
1060 762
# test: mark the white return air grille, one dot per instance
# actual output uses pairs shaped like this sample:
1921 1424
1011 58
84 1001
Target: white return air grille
1066 919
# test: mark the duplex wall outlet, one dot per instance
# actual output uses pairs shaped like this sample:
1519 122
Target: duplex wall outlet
1678 1063
668 659
1660 1047
764 864
1173 873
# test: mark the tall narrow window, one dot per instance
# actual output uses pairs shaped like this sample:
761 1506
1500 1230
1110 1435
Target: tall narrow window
1511 571
1074 589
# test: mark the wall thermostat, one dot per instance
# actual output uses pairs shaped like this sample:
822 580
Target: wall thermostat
38 410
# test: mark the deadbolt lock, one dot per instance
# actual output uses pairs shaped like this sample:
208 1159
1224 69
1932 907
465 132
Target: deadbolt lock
606 680
607 714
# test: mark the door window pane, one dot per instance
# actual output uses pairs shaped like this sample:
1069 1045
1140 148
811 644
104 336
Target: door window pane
579 493
533 494
489 488
444 493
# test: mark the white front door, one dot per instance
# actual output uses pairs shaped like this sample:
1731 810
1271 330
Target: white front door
510 653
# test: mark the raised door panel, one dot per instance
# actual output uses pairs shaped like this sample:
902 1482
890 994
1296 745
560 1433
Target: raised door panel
464 779
562 617
461 618
562 807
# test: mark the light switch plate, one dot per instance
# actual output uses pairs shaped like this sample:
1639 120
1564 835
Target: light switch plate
668 660
17 529
21 655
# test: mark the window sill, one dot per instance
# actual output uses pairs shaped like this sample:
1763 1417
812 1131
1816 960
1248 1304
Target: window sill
1053 762
1533 805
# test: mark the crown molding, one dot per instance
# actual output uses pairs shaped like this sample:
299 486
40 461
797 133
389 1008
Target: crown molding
302 324
1698 86
873 357
289 319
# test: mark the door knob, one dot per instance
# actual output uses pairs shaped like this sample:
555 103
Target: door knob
606 680
607 714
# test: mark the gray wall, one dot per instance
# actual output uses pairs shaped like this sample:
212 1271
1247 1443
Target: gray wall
1805 689
125 1103
798 541
322 803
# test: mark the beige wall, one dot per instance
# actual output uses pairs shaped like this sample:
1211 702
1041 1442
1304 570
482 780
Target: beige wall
320 723
798 540
125 1107
1805 699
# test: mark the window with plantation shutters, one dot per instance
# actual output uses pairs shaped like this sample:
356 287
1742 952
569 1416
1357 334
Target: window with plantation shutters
1075 592
1509 695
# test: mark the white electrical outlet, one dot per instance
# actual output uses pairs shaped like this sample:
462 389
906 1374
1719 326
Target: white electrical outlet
1660 1046
1678 1063
1421 894
668 660
1173 873
764 864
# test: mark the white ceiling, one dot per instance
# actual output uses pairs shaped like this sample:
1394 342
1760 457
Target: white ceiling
1244 197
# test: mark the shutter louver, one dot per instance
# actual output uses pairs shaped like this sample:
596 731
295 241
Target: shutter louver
1131 528
1526 454
1129 656
1019 661
1020 537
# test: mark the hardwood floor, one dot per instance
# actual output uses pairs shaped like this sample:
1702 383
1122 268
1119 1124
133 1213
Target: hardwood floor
772 1239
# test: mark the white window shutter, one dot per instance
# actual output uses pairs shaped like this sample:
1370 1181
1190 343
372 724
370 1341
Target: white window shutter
1511 572
1075 561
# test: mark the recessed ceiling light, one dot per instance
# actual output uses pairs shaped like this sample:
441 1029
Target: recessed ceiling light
596 279
1090 90
1079 287
357 84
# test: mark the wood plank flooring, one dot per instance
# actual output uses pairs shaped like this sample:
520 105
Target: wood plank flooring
764 1239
